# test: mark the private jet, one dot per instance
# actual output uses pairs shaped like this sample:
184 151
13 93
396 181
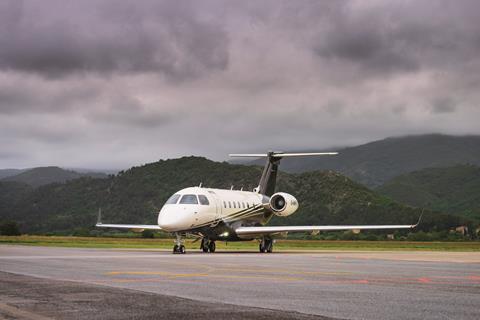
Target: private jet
236 215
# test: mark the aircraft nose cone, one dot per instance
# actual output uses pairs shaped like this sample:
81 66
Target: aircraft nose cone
171 220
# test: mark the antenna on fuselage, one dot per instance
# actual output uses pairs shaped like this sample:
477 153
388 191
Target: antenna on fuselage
200 185
231 187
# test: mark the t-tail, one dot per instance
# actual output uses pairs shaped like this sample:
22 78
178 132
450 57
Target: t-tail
268 180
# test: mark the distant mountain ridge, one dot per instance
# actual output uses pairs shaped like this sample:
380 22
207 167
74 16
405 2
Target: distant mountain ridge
455 190
375 163
4 173
136 195
40 176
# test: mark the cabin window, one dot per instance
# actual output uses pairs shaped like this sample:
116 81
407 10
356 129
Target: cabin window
189 199
229 204
238 204
234 204
203 200
173 199
224 204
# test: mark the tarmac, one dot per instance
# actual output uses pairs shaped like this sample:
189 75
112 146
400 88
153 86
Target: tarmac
66 283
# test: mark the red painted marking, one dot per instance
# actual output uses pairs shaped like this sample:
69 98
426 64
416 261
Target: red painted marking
362 281
424 280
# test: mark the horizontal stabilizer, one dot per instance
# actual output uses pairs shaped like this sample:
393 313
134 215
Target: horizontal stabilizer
282 154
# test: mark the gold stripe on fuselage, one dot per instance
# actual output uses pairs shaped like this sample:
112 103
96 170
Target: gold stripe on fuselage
235 216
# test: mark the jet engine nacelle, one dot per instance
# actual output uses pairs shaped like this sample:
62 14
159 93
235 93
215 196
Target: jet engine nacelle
283 204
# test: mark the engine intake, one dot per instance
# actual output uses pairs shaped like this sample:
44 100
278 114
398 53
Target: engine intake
283 204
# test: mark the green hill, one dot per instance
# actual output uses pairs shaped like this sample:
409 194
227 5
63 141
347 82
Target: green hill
136 195
375 163
455 190
45 175
11 195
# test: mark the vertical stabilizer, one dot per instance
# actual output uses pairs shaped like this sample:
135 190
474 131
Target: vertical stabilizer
268 180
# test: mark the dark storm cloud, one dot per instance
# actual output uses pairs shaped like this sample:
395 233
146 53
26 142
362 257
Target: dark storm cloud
385 38
125 110
23 95
106 83
369 42
443 105
109 36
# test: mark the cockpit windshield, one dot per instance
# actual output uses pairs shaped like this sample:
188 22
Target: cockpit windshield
203 200
173 199
189 199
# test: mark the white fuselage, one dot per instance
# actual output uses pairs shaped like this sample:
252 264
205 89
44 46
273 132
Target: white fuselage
187 209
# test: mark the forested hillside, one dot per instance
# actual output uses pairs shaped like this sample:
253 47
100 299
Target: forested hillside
40 176
136 195
375 163
455 190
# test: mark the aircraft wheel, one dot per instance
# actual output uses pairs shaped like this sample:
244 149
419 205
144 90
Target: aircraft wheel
175 249
269 246
211 246
181 249
261 248
204 245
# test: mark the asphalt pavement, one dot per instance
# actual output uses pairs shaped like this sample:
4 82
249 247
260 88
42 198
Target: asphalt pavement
347 285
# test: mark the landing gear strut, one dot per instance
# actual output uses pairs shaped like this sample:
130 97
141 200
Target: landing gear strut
178 247
207 245
266 245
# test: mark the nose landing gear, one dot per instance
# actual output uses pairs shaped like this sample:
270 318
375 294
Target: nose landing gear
179 247
207 245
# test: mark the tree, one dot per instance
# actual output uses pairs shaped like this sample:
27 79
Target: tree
9 228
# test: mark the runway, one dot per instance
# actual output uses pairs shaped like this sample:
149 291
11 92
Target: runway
346 285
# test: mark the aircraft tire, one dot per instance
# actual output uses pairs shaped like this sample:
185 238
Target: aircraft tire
204 245
211 246
261 248
269 246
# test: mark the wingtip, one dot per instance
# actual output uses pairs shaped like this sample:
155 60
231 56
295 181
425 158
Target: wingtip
99 219
419 220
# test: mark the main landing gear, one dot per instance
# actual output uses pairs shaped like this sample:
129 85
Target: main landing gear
266 245
178 247
207 245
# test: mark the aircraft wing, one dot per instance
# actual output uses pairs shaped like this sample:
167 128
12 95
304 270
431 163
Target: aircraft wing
134 227
259 231
137 227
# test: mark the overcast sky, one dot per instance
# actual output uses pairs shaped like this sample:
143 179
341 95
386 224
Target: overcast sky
110 84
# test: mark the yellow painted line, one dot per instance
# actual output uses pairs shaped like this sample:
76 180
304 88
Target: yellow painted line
334 273
193 275
137 273
255 277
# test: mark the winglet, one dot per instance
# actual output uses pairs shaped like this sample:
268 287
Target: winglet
99 219
419 220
